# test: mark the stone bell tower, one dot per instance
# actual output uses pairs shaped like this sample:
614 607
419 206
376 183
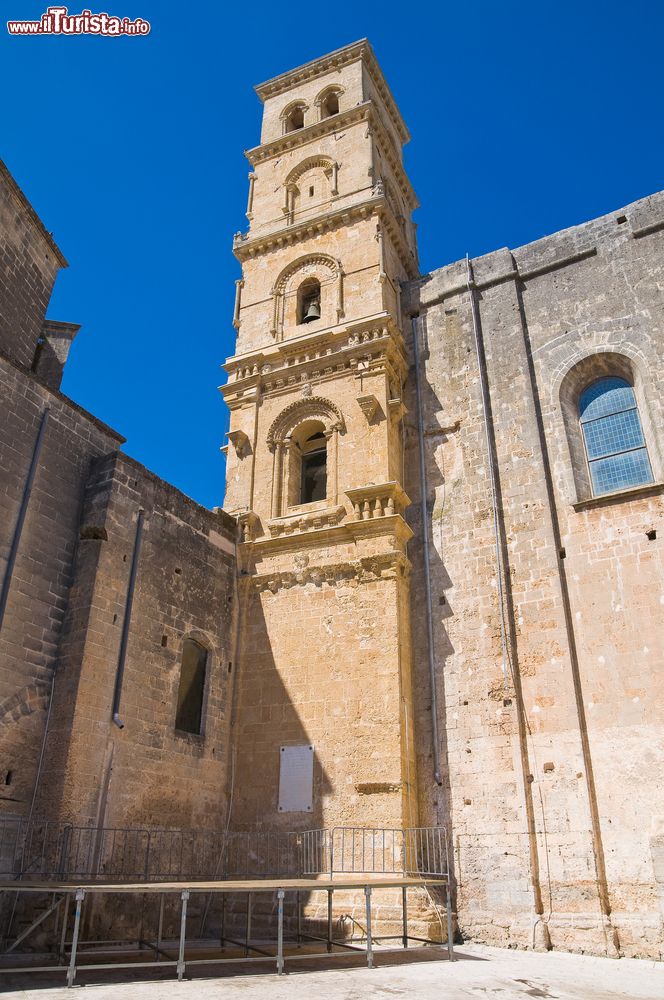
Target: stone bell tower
323 720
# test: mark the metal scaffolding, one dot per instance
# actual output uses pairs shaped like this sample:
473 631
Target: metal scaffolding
74 866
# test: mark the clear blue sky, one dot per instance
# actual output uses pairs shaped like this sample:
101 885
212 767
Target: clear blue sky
525 118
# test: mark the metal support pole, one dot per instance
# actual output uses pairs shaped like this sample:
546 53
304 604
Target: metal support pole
223 919
404 912
161 925
431 649
248 934
126 622
367 893
71 972
280 931
329 919
63 936
183 933
18 528
299 918
450 932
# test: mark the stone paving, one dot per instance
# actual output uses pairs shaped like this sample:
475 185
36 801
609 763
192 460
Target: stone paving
479 972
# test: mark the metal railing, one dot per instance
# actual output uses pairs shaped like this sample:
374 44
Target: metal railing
389 851
48 850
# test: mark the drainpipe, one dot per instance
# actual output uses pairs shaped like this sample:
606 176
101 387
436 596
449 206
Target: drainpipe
427 575
25 500
117 693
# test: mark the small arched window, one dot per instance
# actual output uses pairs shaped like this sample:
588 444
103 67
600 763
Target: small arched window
313 483
189 714
308 301
294 120
613 437
330 104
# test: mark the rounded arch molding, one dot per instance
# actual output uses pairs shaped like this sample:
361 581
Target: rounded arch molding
332 88
324 162
286 467
313 408
312 261
574 374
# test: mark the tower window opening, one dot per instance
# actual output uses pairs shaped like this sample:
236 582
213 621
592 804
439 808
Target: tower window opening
330 106
309 301
189 714
294 119
311 192
313 482
615 446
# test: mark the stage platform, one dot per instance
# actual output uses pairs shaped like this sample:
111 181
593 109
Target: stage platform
74 952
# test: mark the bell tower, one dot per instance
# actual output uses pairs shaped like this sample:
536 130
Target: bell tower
315 453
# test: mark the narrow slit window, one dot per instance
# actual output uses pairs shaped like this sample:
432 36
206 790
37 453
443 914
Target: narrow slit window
189 715
314 470
613 437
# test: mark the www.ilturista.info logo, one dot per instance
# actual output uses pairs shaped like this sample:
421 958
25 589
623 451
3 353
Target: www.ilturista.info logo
58 21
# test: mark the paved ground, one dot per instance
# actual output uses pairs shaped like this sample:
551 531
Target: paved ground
480 973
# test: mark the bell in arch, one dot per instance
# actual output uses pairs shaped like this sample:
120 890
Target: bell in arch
312 311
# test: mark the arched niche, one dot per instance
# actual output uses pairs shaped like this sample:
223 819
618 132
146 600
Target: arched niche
328 101
293 116
327 271
305 425
315 177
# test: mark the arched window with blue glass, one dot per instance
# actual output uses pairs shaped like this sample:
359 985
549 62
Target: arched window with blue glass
613 437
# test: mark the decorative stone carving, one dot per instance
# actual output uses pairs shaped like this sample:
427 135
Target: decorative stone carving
298 522
384 500
356 573
248 522
240 442
396 408
368 404
304 409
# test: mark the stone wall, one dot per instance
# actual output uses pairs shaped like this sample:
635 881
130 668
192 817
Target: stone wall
147 773
41 578
29 263
551 753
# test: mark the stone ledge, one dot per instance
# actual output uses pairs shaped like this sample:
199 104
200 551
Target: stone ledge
620 496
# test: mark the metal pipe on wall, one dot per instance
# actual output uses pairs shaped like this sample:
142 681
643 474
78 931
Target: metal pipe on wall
435 736
117 693
23 509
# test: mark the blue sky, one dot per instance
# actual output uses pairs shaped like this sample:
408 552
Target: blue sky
525 118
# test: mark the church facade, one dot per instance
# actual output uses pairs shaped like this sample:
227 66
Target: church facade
436 583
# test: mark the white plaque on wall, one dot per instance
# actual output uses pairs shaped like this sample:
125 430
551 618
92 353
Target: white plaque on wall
296 778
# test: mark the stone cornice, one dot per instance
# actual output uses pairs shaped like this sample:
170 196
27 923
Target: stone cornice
310 362
307 534
308 342
391 566
377 204
332 61
303 136
362 112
